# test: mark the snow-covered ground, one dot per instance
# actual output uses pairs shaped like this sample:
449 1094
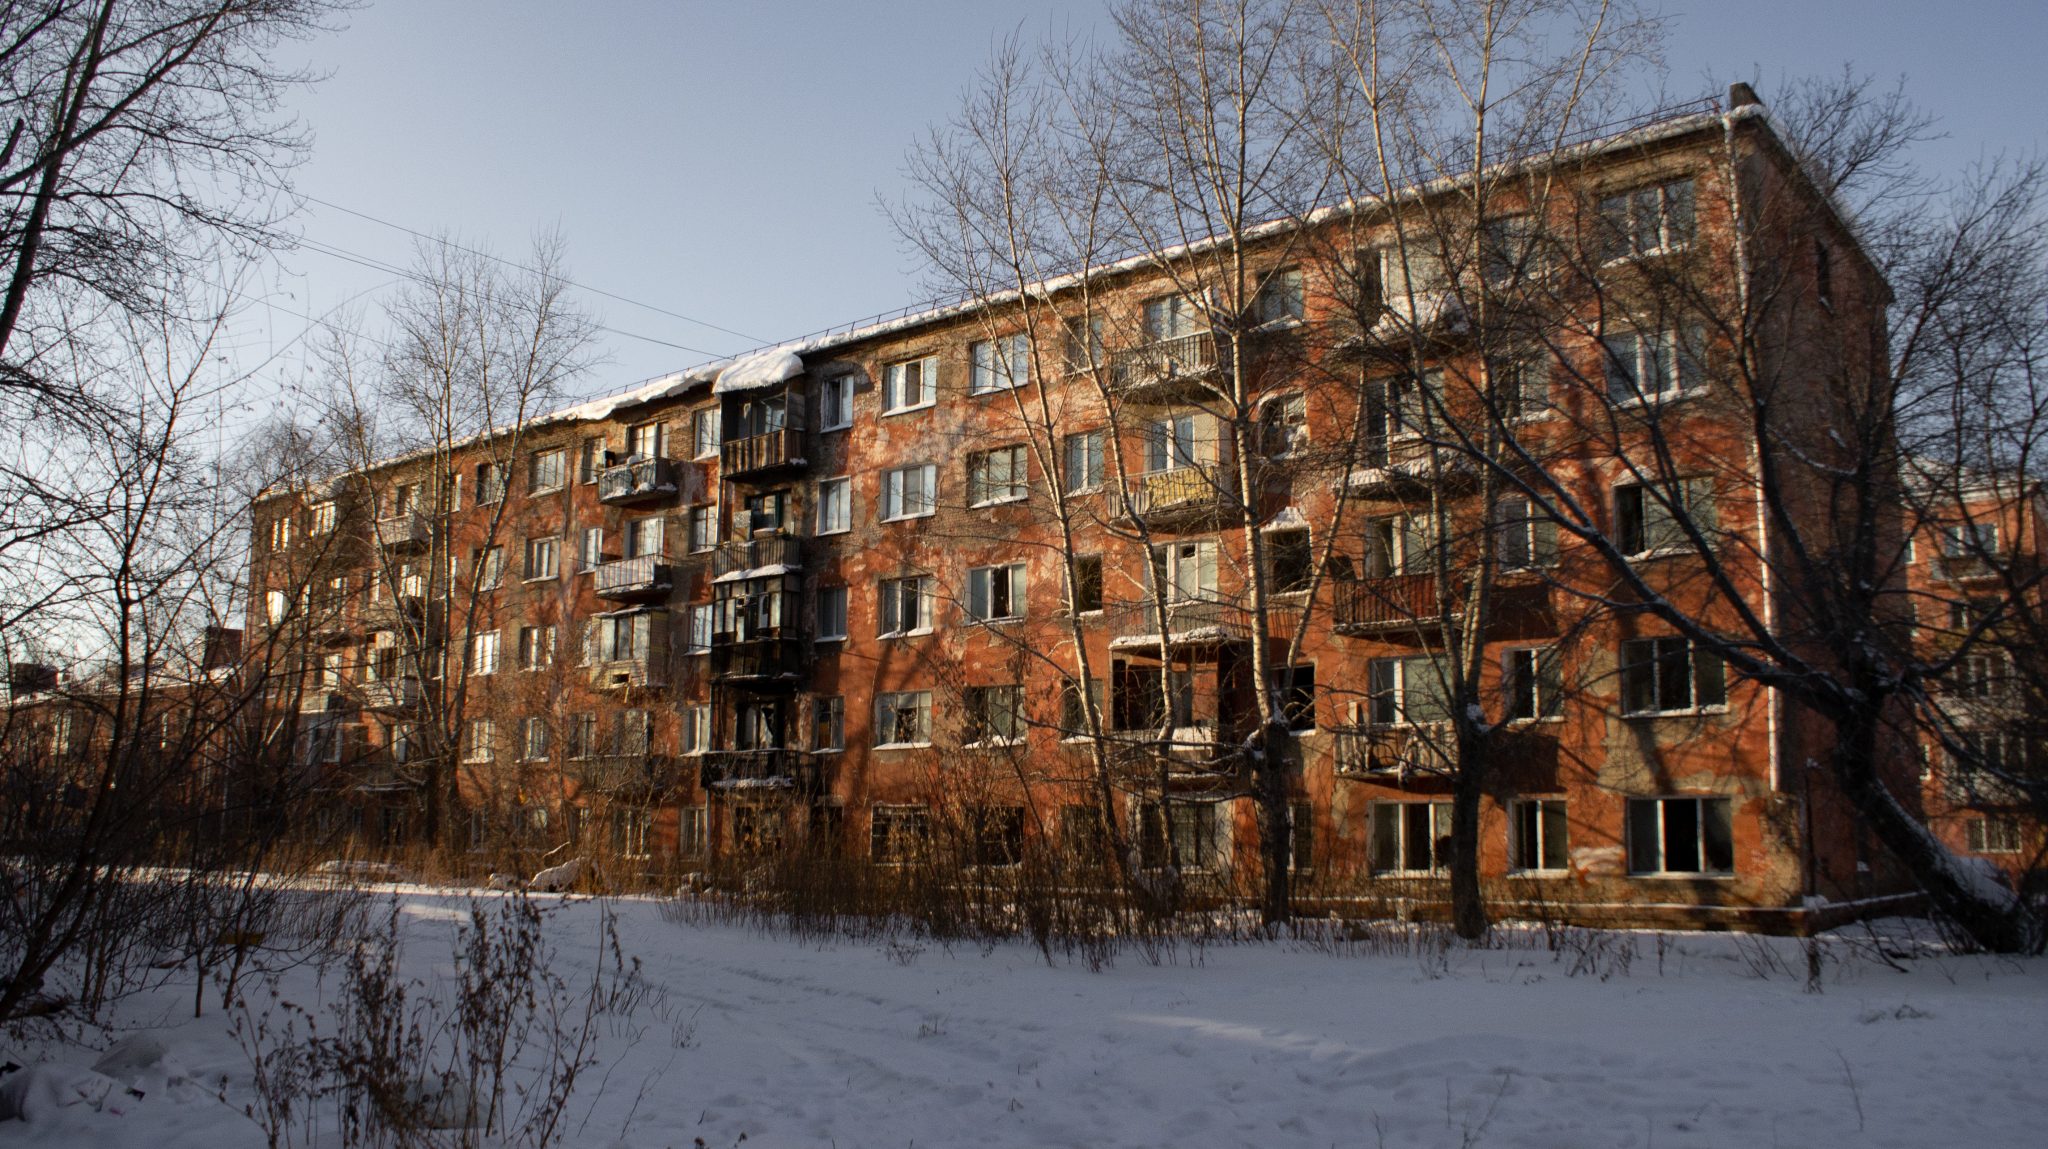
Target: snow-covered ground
899 1044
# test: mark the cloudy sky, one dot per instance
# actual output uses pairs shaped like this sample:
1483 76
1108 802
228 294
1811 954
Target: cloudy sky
715 165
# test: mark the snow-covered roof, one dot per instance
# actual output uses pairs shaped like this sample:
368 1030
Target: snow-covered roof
769 368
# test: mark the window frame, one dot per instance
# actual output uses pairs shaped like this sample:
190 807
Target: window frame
1634 838
1617 215
896 374
837 490
828 724
706 432
819 598
1642 520
547 549
1438 819
835 397
542 461
1697 677
983 490
999 364
1673 354
1544 677
1536 813
894 502
982 587
886 608
896 703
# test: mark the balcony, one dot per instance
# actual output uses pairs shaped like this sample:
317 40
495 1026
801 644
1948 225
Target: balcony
639 479
640 775
401 693
1401 467
775 768
405 531
645 576
760 454
1390 603
1392 753
628 674
323 701
761 661
1211 620
757 558
1197 492
1165 369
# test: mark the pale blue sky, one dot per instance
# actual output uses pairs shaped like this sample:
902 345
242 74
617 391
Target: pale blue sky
722 160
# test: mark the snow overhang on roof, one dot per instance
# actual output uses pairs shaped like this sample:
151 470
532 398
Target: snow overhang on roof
769 368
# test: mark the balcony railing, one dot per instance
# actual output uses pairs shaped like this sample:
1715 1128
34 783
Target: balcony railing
757 558
764 452
1400 466
1190 622
405 531
1392 602
775 768
1202 488
765 660
635 480
1163 365
1392 752
636 577
402 693
639 774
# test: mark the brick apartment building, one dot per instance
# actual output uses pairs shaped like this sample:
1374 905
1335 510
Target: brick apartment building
815 596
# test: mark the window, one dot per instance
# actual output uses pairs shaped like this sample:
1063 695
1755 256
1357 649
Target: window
702 622
490 568
996 476
1969 540
1073 719
1994 835
909 492
1647 220
1290 560
1532 683
1650 520
903 718
835 506
1170 443
1644 366
1537 836
483 653
1680 836
1185 571
995 592
281 531
1294 688
645 536
831 613
1669 675
590 548
835 403
542 560
533 739
631 636
330 673
828 723
995 714
1087 583
590 459
536 647
693 728
323 518
910 385
1170 317
1280 299
490 483
1521 387
629 831
1301 838
703 529
646 441
1406 405
906 606
691 836
481 743
1524 537
1406 692
897 834
995 835
999 364
704 433
1084 461
630 733
760 511
1410 837
1192 830
546 471
405 498
276 605
1283 425
1081 343
1508 249
581 735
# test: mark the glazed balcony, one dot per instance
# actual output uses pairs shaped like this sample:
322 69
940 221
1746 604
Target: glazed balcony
1165 369
637 480
774 768
405 531
776 661
761 454
639 673
641 577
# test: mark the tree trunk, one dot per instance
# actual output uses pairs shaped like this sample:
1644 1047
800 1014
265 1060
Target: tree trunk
1468 906
1276 836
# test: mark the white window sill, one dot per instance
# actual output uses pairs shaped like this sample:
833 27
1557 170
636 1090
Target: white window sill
825 638
1005 501
828 532
912 515
1662 553
1649 253
543 578
919 632
539 491
927 405
992 744
829 750
835 427
901 746
1543 720
1538 874
1411 873
1686 876
996 620
1657 399
998 389
1688 712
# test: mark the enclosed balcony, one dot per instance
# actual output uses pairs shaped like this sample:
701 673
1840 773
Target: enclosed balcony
641 577
773 768
628 649
754 455
405 531
1197 492
1165 369
779 661
637 480
1392 603
392 694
